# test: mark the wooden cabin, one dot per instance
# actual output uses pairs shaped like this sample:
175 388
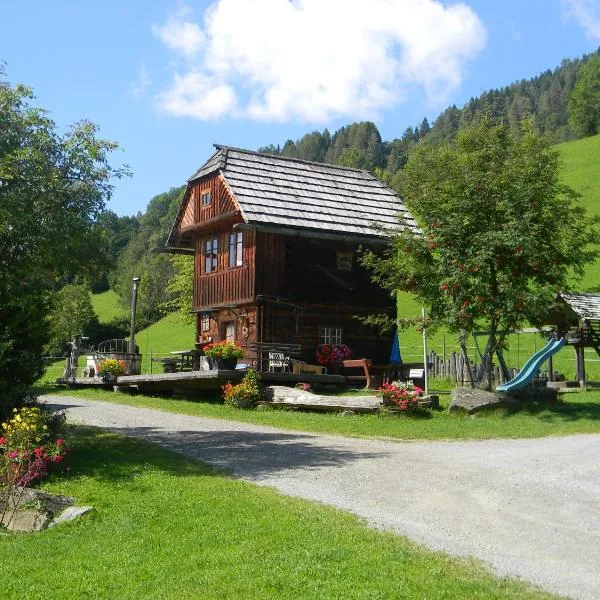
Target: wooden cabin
275 243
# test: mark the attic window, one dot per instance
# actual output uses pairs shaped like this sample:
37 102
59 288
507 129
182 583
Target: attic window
205 198
343 261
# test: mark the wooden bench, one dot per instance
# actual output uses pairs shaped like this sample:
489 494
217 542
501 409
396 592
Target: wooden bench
363 365
274 355
363 369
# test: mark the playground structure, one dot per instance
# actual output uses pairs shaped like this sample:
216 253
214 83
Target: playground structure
577 322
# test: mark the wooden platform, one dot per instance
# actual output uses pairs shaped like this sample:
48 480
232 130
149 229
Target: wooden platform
201 380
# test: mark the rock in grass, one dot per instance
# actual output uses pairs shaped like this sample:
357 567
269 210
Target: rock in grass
26 509
70 514
472 399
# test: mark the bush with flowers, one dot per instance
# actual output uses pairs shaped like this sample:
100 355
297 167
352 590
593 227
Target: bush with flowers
224 349
330 354
400 395
29 446
246 394
111 366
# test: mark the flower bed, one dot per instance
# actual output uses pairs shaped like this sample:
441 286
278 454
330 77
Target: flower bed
400 395
29 446
246 394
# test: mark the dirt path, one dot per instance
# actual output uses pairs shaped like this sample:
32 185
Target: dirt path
529 508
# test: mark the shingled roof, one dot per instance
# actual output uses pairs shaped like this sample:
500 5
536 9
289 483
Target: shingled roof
296 194
586 306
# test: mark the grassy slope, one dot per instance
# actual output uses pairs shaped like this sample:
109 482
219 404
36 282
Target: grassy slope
580 160
107 306
580 171
161 338
170 528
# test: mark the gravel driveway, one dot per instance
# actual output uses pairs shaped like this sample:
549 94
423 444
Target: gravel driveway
529 508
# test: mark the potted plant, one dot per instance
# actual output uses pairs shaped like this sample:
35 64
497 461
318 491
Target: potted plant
333 355
110 368
224 354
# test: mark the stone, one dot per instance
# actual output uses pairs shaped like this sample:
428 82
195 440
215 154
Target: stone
28 509
70 514
473 399
25 520
348 413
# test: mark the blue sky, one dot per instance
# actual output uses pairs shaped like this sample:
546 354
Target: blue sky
167 80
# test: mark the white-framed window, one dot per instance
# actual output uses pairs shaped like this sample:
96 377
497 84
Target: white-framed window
330 335
236 249
205 322
211 251
343 261
205 198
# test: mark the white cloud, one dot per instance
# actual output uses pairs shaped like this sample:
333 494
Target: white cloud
587 13
180 34
195 94
139 87
318 59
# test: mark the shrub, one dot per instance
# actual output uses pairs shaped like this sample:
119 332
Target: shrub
224 349
400 395
246 394
29 446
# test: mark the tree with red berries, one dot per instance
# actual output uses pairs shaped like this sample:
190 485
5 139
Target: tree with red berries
501 234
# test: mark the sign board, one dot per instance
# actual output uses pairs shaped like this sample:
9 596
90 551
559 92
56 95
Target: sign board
278 360
416 373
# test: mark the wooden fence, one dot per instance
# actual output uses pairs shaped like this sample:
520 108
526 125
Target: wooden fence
455 369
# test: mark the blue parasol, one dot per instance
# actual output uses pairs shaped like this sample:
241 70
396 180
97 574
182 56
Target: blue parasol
395 358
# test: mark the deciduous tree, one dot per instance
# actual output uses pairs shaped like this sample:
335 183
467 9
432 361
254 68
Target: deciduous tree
500 234
52 189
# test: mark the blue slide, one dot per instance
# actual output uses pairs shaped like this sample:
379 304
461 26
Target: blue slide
532 366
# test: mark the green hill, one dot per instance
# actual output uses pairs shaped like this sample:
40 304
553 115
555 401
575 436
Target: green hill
162 337
107 306
581 171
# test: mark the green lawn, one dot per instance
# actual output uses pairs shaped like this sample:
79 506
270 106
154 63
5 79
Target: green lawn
170 528
107 306
577 413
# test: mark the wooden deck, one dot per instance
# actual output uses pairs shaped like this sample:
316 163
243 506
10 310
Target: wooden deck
201 380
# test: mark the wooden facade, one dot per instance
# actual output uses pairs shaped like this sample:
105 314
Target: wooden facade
276 284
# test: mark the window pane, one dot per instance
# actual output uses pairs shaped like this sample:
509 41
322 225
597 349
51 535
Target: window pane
205 322
232 258
207 256
239 251
215 251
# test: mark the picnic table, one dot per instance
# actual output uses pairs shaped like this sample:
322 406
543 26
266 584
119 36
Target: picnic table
181 360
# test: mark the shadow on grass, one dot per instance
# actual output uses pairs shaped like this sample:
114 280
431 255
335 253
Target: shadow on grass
560 411
249 454
106 456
